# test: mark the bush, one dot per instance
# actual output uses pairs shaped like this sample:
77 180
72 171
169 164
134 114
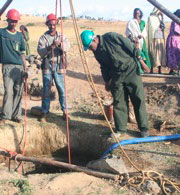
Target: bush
30 24
23 185
86 27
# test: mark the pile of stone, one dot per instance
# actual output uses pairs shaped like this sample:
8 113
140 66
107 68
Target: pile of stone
34 59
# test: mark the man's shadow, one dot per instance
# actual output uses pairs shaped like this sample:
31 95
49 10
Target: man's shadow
78 75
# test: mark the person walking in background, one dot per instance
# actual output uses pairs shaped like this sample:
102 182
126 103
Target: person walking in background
173 46
25 34
12 57
136 32
156 40
118 58
50 50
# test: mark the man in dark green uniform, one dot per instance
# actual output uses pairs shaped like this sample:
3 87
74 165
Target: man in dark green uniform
118 59
12 57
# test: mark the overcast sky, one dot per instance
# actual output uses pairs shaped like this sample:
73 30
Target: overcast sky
108 9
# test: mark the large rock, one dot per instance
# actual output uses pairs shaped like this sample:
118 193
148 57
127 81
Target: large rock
109 165
151 187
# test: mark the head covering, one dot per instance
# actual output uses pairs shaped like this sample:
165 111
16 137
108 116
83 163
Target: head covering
51 17
155 20
13 14
155 11
177 13
87 37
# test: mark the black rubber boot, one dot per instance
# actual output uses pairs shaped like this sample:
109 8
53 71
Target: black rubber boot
171 72
159 70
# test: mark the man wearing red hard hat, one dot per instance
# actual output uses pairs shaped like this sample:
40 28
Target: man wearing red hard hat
51 51
12 57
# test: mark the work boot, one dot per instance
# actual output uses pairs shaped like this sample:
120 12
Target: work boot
171 72
65 116
144 133
2 121
152 71
43 117
118 134
159 70
17 120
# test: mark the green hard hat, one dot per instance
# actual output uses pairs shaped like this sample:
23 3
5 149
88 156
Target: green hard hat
87 38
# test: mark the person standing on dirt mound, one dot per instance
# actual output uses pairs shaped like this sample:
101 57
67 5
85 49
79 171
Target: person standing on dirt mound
12 57
118 58
51 52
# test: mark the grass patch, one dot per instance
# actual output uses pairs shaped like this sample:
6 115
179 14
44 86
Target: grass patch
23 185
86 27
30 24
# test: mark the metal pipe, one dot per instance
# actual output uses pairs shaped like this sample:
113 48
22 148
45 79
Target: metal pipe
165 11
161 76
142 140
62 165
5 6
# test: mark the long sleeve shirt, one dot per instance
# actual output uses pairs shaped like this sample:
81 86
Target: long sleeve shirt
45 41
115 55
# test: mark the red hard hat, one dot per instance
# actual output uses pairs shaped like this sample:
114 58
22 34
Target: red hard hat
13 14
50 17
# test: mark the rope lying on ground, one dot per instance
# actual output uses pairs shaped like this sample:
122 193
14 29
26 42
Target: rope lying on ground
145 175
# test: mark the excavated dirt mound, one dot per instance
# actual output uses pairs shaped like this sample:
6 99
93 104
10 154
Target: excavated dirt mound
163 104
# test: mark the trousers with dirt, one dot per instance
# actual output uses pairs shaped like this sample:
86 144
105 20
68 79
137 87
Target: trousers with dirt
125 86
13 91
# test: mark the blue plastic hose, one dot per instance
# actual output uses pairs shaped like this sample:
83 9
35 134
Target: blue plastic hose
142 140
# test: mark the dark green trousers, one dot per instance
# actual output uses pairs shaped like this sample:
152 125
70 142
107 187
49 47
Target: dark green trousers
125 86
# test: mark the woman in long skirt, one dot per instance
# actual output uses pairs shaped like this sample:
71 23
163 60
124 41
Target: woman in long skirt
136 32
173 46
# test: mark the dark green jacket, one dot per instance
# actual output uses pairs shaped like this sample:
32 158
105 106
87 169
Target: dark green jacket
115 55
